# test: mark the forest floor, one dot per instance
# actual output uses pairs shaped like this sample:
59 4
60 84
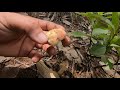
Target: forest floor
70 62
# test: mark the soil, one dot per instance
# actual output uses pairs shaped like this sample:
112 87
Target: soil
72 61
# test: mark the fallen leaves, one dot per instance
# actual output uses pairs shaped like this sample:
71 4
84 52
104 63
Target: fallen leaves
66 22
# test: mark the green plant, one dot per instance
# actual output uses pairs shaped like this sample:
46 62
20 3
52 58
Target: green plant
104 36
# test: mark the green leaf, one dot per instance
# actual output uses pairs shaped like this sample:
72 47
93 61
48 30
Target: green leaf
98 50
109 17
106 39
104 59
114 45
115 20
93 40
98 31
88 14
116 40
93 16
118 51
101 13
108 13
78 34
101 34
98 17
108 22
110 64
100 24
119 13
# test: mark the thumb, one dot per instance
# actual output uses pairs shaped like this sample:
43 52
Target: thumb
26 23
37 35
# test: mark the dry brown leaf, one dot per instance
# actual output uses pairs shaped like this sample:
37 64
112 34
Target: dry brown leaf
63 67
66 22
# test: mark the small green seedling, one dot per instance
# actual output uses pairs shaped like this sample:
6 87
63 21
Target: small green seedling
105 34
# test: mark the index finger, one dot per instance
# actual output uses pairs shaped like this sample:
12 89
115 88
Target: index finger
47 25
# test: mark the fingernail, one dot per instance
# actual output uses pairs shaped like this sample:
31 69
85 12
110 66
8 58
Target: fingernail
42 38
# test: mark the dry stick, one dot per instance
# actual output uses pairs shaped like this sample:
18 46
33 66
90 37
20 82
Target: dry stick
71 15
5 61
49 58
45 71
81 56
24 64
105 65
14 61
49 14
73 66
53 16
116 66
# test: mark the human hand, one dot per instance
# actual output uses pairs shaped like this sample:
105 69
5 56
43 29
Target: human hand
19 35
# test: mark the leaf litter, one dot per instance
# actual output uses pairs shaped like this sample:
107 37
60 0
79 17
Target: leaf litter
72 61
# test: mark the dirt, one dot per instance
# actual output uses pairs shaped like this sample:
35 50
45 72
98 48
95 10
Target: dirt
70 62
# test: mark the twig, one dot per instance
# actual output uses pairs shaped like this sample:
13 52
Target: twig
48 58
71 15
24 64
79 53
116 66
73 66
53 16
105 65
49 14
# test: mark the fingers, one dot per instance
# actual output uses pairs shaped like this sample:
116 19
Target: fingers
47 25
38 36
66 41
35 56
28 24
47 48
38 46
